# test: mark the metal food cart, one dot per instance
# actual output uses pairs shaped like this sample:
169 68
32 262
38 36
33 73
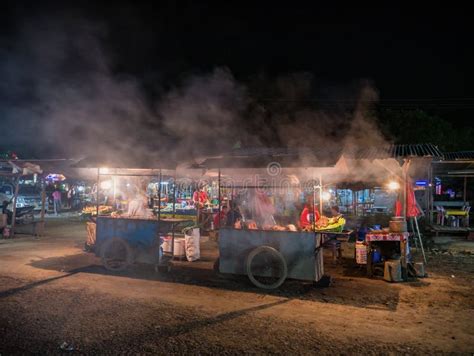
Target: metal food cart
266 256
298 255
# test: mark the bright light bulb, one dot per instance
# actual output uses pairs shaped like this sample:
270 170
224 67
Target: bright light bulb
326 196
393 185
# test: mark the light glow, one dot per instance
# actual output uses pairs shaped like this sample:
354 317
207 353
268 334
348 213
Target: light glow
326 196
107 184
393 185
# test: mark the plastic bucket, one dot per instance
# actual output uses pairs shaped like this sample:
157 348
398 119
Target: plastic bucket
179 250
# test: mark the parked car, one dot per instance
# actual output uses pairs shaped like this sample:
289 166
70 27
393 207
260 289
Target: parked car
28 195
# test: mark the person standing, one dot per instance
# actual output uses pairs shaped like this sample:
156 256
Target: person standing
220 219
200 198
69 196
307 217
57 201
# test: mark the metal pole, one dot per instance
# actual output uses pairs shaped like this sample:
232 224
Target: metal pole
15 196
419 238
430 194
354 202
114 187
219 199
97 194
314 209
321 194
174 196
159 198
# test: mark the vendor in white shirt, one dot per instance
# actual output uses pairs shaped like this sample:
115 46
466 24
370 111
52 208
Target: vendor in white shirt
138 207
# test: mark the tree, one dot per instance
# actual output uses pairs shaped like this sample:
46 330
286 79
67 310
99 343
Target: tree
417 126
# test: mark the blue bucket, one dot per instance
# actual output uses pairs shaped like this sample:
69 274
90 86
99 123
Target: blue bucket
376 256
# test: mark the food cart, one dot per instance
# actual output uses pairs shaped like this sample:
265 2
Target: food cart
121 238
266 248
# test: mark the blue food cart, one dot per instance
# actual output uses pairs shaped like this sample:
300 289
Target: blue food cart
120 242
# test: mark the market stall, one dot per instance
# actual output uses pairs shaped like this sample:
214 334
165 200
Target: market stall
125 224
270 210
276 203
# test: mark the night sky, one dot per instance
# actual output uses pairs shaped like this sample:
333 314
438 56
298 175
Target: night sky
413 56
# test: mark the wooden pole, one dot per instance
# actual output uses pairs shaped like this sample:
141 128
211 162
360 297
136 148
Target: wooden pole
15 196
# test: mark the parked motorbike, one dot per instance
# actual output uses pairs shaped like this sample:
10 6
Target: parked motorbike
23 214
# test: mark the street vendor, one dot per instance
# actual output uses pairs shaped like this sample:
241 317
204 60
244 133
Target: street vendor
200 197
306 217
335 215
234 214
137 207
220 220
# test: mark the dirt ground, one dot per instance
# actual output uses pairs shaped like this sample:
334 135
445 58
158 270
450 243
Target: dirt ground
55 298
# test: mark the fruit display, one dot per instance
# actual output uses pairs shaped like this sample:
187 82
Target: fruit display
92 210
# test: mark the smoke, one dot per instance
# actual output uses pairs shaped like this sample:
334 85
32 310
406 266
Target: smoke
62 96
205 112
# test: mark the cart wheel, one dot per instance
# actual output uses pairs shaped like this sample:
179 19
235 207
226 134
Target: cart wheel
266 267
116 254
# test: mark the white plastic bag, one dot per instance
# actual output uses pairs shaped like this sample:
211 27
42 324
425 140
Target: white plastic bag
193 252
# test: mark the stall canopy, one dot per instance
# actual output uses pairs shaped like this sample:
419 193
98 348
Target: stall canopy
263 156
424 150
128 162
455 164
321 157
14 168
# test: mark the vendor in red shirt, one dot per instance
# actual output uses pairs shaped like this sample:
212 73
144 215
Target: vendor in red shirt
220 220
200 197
306 215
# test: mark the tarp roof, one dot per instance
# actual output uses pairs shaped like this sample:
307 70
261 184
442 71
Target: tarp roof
459 156
129 161
261 157
422 150
19 167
